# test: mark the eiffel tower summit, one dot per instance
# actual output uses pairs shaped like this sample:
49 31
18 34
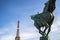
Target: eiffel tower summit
17 33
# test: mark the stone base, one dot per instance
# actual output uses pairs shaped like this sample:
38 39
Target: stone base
44 38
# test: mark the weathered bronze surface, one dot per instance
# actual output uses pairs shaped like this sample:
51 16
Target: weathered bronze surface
45 19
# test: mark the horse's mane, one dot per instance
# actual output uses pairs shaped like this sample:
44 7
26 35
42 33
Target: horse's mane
51 5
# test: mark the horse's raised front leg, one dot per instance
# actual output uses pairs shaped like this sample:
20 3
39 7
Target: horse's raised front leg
45 30
48 30
41 32
38 27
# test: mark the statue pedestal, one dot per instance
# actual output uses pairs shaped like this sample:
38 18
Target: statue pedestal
44 38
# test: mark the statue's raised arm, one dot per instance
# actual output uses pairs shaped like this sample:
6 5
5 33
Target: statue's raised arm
49 6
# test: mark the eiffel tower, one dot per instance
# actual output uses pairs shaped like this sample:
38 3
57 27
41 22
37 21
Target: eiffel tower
17 34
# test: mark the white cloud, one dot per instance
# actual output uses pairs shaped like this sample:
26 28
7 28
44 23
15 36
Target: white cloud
9 30
55 25
26 33
7 37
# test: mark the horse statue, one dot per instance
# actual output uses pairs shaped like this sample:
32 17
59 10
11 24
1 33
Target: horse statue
45 19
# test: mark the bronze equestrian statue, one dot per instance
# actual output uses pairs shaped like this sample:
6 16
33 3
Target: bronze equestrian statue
45 19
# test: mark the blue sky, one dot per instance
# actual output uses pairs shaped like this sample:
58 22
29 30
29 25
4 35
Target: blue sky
13 10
